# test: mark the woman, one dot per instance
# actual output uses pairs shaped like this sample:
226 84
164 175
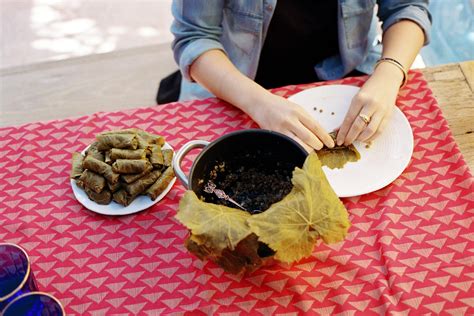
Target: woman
227 48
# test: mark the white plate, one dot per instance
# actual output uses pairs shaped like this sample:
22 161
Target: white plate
381 163
140 203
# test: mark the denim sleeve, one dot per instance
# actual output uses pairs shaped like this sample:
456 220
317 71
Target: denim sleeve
392 11
197 28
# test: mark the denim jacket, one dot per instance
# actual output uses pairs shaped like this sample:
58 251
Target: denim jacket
238 27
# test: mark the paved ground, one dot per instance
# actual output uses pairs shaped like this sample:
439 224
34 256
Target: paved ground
34 31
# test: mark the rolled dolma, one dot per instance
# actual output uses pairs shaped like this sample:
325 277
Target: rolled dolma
121 131
130 165
116 153
103 197
143 183
149 137
167 157
93 151
114 187
160 185
156 156
152 138
107 158
124 141
101 168
122 197
80 184
93 181
337 156
143 143
144 138
133 131
76 169
129 178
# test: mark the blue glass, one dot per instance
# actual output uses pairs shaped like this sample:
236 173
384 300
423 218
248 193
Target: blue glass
16 277
34 304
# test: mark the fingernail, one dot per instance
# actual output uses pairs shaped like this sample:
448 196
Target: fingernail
329 143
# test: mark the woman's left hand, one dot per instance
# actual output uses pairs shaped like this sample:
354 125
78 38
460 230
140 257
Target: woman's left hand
372 106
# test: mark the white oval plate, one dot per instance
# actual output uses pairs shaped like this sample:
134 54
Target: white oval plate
140 203
381 163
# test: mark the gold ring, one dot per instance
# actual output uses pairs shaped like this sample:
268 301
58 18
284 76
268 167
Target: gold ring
365 118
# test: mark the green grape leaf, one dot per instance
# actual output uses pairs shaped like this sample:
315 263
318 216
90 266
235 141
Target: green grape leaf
310 211
218 226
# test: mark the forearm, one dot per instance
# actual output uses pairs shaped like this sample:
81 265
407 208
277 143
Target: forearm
214 71
402 41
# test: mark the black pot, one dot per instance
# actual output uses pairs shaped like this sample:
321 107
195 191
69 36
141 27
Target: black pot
275 146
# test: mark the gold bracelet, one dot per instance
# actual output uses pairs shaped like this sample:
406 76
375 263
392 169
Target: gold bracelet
397 64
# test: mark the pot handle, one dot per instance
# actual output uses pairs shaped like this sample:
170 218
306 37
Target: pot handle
181 154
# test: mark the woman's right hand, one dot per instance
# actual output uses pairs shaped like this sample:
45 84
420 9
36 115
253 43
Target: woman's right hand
214 71
281 115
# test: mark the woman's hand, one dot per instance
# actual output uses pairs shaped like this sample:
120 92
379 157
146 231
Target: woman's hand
278 114
372 106
214 71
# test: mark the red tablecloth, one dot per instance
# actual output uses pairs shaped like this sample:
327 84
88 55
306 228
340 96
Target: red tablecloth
410 249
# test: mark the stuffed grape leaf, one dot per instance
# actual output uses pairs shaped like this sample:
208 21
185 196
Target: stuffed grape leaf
310 211
337 156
